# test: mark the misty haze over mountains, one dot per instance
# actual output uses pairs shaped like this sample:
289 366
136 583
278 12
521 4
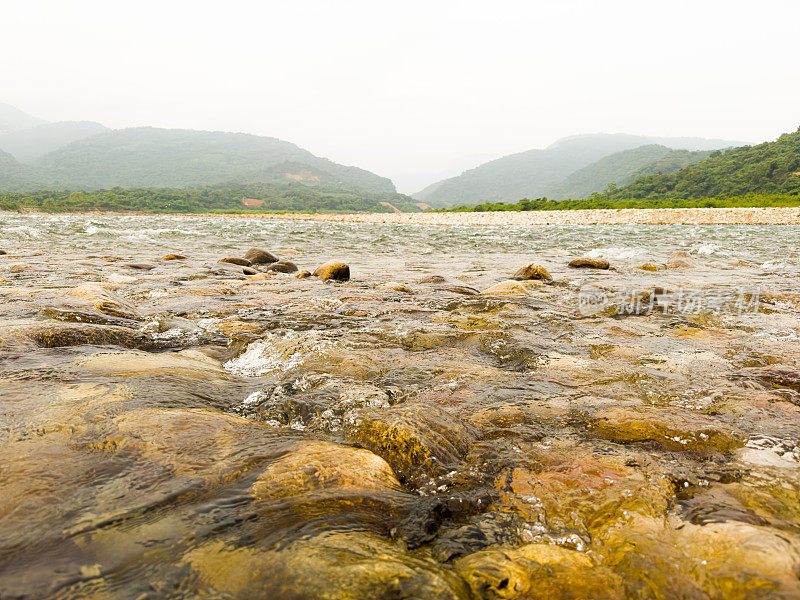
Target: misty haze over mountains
86 155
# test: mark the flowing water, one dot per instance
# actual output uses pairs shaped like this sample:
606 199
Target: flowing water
181 429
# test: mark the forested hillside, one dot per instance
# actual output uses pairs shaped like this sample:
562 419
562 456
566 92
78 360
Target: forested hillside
150 157
531 174
765 169
623 167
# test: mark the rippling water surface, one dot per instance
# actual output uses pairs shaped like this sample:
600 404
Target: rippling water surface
428 429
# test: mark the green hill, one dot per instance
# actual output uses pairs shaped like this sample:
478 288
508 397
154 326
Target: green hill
771 168
623 167
530 174
151 157
26 145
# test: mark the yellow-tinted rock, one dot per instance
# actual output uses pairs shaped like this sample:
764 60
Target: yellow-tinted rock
539 571
332 565
104 300
532 271
413 437
509 288
650 267
670 429
173 257
334 269
589 263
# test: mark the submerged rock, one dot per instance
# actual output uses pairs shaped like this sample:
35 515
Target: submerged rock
235 260
681 259
433 279
589 263
173 257
79 312
509 288
140 266
105 301
413 438
532 271
257 256
539 571
334 269
73 334
282 266
303 274
328 565
395 286
669 429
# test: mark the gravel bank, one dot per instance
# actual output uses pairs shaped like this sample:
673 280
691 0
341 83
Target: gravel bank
656 216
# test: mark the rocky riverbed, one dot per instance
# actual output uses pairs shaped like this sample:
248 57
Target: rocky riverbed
396 411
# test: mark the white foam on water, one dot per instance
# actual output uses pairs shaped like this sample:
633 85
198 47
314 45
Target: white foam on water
279 353
617 253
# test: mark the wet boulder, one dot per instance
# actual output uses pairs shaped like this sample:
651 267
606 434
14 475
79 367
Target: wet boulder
587 262
532 271
173 257
650 267
417 438
333 269
235 260
282 266
327 565
538 571
331 476
303 274
257 256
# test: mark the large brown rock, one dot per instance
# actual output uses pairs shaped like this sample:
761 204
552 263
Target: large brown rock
413 438
589 263
333 269
532 271
282 266
257 256
235 260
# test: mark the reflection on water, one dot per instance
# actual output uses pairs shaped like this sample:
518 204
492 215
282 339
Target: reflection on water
180 429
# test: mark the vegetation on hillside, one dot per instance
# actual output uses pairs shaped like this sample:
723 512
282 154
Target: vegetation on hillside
622 168
151 157
754 200
534 173
771 168
277 198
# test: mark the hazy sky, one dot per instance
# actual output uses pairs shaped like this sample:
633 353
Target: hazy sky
411 90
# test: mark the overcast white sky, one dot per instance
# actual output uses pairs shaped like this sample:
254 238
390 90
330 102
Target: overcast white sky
412 90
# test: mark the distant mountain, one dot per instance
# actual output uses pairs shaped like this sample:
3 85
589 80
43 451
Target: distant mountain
767 169
26 145
13 175
13 119
621 168
530 174
151 157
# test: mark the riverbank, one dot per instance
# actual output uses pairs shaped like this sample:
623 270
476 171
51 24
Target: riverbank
643 216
